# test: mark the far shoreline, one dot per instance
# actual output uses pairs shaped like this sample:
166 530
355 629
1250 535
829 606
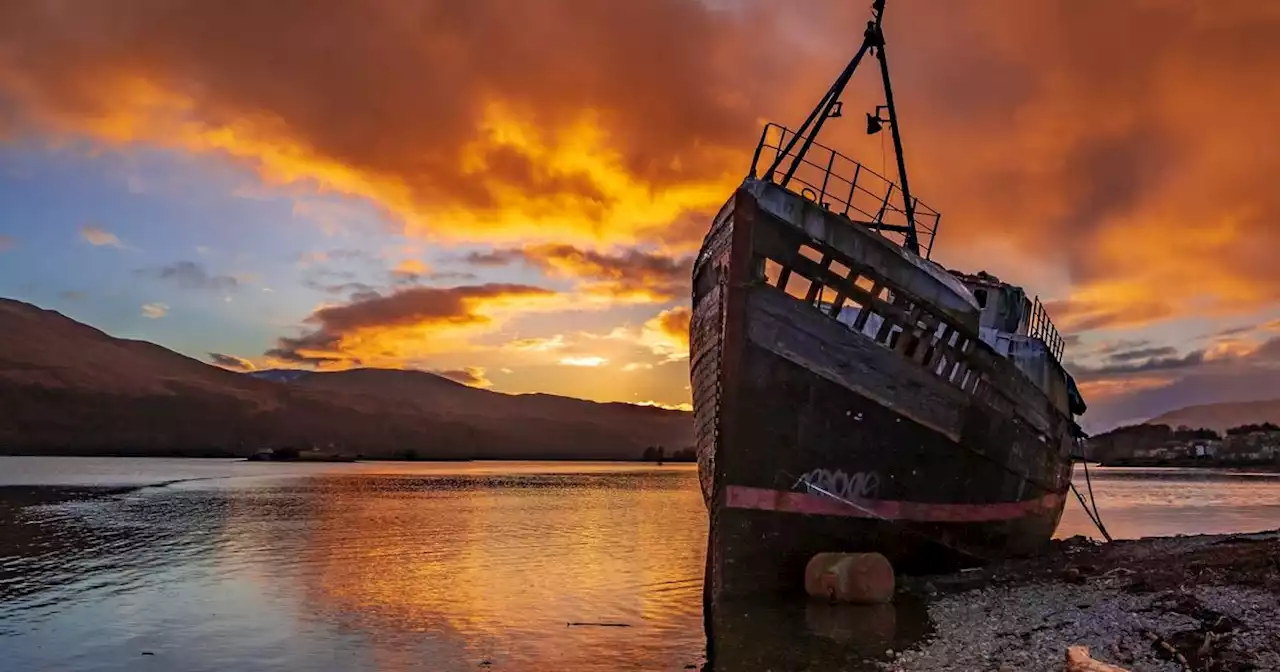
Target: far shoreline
341 459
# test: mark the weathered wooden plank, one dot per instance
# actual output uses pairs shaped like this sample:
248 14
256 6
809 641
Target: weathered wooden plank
822 345
783 244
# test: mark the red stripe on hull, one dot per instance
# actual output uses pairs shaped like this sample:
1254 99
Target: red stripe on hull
764 499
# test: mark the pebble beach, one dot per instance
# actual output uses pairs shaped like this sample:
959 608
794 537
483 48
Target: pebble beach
1208 602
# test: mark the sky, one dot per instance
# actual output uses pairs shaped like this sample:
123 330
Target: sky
509 193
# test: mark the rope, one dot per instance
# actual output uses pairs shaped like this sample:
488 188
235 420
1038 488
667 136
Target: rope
1094 516
1097 517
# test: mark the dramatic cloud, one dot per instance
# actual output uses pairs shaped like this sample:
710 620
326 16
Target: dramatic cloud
191 275
1105 158
1126 182
628 275
1236 365
1148 364
1104 164
1148 353
668 334
231 362
99 237
155 311
472 376
407 323
547 129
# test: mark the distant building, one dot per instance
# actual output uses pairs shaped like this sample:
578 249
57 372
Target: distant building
1248 444
1253 446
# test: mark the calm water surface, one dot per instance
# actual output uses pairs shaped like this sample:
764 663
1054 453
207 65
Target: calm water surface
110 564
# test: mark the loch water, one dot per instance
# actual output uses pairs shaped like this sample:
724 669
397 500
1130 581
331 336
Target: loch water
170 564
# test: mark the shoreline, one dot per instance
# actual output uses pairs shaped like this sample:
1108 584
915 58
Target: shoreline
1203 602
333 459
1268 466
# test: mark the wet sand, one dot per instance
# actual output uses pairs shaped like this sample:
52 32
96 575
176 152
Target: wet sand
1208 602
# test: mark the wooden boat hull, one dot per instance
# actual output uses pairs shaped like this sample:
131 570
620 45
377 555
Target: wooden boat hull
813 438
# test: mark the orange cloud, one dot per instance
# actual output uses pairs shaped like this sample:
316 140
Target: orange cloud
1125 183
1105 166
670 407
411 267
231 362
547 132
410 323
630 275
99 237
1102 390
471 376
667 334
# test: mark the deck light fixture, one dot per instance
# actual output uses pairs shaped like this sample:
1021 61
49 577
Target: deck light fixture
874 122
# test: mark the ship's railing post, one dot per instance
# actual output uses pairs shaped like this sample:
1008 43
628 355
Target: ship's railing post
880 188
853 187
755 159
822 197
884 205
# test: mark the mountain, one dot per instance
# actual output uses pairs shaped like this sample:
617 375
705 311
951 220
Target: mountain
1220 417
279 375
67 388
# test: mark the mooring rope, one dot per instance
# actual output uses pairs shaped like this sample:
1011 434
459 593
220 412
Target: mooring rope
1097 516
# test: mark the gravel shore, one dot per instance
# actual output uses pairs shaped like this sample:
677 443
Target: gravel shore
1178 603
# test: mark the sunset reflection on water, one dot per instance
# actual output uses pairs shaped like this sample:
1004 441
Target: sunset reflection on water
416 566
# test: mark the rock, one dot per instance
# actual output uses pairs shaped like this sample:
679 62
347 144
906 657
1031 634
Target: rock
1078 660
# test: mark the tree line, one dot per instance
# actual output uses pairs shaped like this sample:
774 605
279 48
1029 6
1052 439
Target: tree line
660 454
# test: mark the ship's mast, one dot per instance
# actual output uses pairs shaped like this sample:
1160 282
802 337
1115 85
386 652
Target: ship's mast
829 106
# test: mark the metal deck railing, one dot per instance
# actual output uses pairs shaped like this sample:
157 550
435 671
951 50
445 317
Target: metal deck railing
846 187
1040 326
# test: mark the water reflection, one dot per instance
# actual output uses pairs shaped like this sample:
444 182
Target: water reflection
444 567
441 571
810 635
495 569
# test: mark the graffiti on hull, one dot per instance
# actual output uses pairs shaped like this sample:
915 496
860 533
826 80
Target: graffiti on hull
837 483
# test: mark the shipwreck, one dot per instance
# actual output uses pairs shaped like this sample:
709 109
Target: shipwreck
852 395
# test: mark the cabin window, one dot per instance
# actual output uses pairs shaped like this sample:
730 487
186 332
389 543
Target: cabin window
798 286
810 253
894 334
772 272
981 296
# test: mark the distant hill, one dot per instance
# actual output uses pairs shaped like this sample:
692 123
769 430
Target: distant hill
67 388
1221 417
